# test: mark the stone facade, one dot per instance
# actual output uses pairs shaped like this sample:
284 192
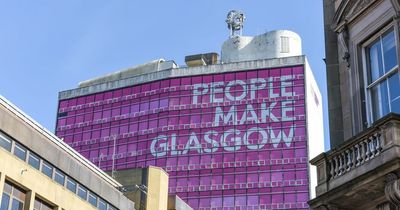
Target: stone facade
361 170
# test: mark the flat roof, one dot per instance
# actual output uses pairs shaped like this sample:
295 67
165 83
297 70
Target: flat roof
182 72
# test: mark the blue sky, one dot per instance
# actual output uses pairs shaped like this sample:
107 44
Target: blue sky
47 46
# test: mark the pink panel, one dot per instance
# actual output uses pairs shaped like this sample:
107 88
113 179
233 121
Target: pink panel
230 139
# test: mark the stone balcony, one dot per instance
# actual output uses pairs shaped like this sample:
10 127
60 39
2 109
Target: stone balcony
363 171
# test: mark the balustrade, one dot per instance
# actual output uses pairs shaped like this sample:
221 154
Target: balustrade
354 155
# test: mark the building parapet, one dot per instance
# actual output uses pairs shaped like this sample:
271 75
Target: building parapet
179 72
359 158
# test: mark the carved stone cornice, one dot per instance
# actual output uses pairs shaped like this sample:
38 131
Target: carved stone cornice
396 5
348 10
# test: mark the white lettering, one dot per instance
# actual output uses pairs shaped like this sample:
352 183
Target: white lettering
282 136
192 144
197 92
271 88
254 87
233 83
257 145
249 111
267 112
214 144
174 150
215 89
286 109
235 139
230 116
285 84
163 146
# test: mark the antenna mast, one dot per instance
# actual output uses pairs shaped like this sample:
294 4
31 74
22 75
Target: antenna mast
235 20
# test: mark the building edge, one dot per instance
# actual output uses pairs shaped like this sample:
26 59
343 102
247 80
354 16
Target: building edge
181 72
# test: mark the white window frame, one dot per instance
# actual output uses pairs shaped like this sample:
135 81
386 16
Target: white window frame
366 69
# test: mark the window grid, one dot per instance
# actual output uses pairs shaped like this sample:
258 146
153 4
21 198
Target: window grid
13 197
41 205
136 115
382 78
47 169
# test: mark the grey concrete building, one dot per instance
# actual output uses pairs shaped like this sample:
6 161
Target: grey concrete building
361 171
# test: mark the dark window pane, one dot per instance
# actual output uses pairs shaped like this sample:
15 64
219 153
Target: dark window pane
389 51
71 185
375 102
62 114
102 205
41 205
7 187
384 97
17 205
394 86
20 151
375 61
5 201
59 177
82 192
5 142
18 193
111 207
46 207
47 169
37 205
92 199
34 161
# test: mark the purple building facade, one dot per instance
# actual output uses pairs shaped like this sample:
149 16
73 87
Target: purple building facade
230 136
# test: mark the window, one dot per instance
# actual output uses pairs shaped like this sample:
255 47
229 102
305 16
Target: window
47 169
59 177
92 199
383 84
5 201
20 151
71 185
41 205
82 192
111 207
34 160
102 205
13 197
5 142
284 44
